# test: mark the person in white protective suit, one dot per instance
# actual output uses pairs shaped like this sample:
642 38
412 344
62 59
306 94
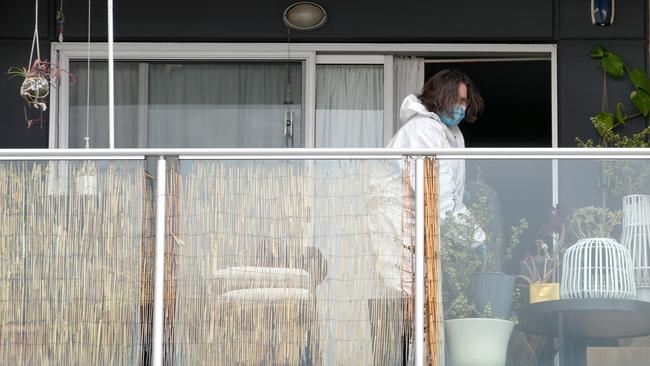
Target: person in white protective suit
431 121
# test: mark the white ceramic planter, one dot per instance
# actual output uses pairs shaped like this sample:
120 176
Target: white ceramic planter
477 341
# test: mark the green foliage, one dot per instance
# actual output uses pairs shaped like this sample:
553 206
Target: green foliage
613 64
594 222
606 122
624 177
598 51
460 259
640 81
641 100
459 262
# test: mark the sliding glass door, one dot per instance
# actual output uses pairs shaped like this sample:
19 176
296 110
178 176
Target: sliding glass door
188 104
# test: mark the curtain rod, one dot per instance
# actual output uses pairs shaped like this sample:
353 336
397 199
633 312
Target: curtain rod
495 59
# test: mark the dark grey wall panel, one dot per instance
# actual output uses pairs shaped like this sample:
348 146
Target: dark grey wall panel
15 133
350 21
629 20
580 87
17 19
358 20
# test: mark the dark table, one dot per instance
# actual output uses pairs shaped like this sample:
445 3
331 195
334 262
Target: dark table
586 319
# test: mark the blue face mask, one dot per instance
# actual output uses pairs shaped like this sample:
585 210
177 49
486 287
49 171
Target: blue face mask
458 113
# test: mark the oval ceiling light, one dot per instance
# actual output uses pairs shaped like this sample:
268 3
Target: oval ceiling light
304 16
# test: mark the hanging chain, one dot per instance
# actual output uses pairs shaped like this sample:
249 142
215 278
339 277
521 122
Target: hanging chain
289 98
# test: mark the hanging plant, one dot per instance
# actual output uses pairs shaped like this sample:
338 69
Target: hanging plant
38 77
606 122
37 81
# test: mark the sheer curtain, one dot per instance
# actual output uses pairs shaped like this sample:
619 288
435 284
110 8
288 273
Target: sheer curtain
409 79
126 104
349 105
187 104
221 105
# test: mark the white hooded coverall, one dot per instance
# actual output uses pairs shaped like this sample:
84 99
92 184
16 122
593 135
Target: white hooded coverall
423 130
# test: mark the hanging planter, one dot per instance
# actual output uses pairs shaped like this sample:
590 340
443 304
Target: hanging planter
38 77
36 83
35 88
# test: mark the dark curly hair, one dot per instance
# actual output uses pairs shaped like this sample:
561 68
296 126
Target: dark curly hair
440 94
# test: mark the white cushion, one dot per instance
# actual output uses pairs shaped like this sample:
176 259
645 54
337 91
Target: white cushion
264 276
266 294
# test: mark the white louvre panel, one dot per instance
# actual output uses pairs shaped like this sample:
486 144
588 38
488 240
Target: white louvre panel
636 235
597 268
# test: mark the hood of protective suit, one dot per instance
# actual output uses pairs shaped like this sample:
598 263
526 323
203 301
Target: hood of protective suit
411 107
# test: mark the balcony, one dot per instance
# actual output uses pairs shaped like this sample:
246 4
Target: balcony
320 256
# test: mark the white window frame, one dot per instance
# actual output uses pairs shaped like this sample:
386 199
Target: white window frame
309 53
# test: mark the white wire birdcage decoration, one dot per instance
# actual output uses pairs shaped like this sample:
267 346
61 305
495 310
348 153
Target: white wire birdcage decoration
597 268
636 236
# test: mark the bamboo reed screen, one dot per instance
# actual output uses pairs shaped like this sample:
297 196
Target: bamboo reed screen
434 319
74 263
286 263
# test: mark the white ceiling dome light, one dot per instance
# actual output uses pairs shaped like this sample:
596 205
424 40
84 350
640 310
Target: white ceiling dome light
304 16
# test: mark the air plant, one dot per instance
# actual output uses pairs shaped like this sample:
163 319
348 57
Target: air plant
557 227
37 80
539 268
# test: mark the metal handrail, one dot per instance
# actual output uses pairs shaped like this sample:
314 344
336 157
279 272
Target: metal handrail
304 153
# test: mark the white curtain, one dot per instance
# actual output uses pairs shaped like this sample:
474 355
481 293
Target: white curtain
409 79
126 105
349 106
189 105
221 105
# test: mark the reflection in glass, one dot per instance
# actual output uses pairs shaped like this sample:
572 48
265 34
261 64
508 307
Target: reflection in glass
75 260
275 262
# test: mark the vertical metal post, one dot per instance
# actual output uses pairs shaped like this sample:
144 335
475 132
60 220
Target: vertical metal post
560 337
159 266
111 79
419 262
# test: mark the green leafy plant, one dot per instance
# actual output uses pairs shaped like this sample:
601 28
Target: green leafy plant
461 257
496 252
606 122
594 222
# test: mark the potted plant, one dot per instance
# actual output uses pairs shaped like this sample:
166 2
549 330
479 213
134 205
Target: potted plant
628 180
541 265
490 286
538 269
469 323
594 222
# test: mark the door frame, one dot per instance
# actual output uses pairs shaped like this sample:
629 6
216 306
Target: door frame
308 53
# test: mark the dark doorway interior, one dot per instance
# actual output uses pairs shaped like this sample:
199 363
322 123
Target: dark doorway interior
517 98
517 113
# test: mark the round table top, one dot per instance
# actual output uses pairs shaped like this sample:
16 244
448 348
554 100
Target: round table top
587 318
